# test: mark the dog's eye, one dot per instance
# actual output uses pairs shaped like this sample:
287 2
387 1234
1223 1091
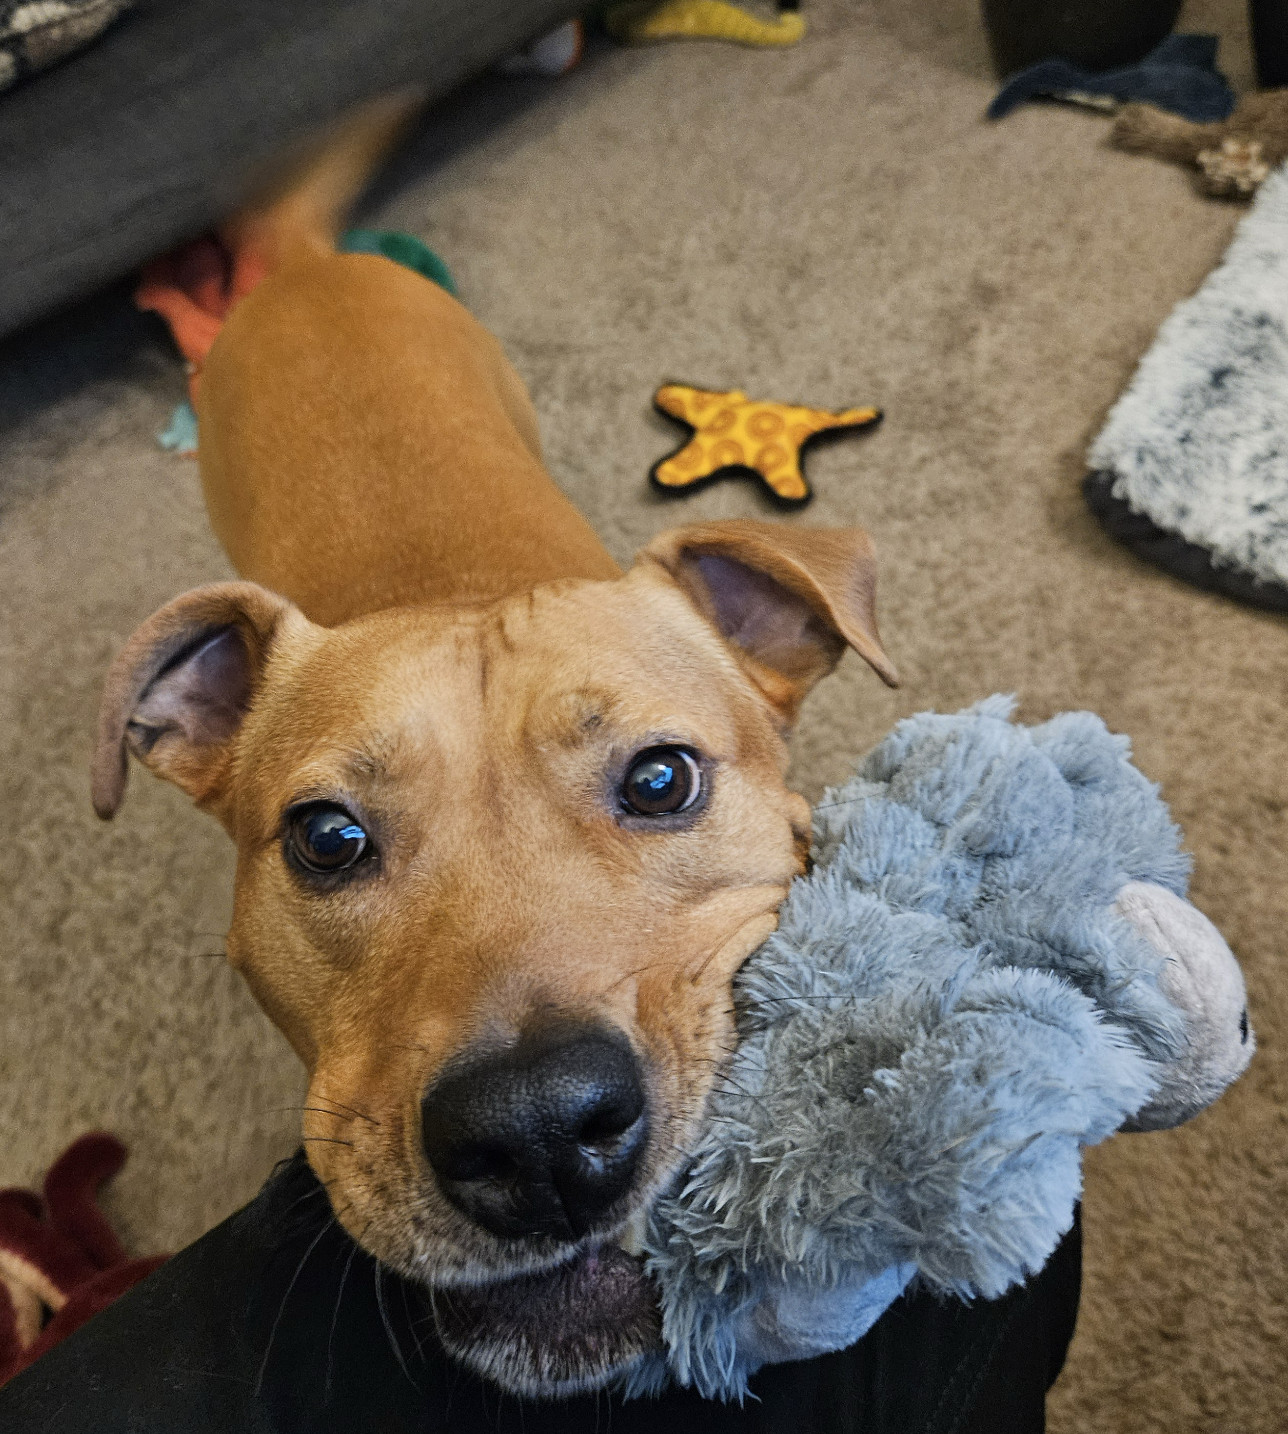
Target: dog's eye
661 781
326 839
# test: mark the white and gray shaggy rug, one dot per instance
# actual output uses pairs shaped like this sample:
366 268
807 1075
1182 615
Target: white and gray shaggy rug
1191 468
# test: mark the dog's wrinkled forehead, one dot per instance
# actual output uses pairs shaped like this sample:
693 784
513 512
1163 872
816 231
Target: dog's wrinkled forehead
519 689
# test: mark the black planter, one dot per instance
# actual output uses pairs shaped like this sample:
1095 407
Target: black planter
1096 34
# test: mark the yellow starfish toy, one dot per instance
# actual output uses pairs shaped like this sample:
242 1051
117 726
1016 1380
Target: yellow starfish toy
734 434
636 22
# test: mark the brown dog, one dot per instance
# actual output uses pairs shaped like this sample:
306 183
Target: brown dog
508 820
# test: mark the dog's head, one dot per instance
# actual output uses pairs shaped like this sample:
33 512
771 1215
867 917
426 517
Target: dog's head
497 866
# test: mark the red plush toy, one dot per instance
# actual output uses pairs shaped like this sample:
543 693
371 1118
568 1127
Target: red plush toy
60 1261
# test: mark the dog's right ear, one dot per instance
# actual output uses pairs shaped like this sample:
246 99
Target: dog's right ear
177 693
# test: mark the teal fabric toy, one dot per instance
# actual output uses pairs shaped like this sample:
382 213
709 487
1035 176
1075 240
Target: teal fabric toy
404 249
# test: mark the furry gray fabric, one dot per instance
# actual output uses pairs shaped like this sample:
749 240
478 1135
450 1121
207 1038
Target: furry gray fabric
958 999
1198 444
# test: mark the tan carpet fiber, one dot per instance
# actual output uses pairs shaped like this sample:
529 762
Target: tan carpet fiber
835 224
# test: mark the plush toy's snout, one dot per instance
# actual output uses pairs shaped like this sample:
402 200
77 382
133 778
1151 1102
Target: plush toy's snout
1202 980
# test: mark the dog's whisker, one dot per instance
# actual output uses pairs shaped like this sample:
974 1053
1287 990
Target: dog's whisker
705 962
299 1109
632 975
378 1271
335 1317
311 1195
352 1109
411 1322
281 1309
300 1199
308 1195
805 1000
437 1296
732 1087
726 1084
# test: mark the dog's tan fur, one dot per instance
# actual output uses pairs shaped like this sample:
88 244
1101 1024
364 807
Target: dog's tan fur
433 638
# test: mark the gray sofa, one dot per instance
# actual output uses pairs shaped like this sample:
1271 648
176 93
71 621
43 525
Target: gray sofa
153 133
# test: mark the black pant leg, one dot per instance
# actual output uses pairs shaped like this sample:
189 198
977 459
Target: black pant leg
275 1323
931 1366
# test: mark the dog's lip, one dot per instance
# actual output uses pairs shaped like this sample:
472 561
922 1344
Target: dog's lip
556 1331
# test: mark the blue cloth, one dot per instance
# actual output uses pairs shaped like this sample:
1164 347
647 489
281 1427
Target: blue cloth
1179 75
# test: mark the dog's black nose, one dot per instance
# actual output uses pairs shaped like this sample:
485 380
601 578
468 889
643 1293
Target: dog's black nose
542 1138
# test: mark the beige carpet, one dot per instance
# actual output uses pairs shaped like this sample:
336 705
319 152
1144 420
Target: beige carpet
836 224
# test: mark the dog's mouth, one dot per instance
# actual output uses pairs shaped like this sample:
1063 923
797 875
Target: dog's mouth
558 1332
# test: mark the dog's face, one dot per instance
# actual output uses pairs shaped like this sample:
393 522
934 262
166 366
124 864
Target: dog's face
497 867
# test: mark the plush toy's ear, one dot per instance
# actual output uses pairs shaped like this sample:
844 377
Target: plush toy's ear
177 693
788 600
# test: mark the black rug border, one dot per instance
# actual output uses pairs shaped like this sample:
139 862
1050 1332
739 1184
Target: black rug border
1191 562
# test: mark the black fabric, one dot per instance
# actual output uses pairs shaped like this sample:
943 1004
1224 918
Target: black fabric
275 1321
156 132
1269 20
1095 34
26 48
1191 562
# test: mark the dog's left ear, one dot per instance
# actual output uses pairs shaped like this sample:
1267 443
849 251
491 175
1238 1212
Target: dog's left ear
788 600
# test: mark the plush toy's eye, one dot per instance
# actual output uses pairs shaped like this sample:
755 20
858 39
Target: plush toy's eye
661 781
325 838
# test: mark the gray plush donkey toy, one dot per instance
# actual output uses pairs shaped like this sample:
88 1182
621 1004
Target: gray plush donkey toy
990 966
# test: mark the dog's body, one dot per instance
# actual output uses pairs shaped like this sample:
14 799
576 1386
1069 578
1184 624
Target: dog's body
420 483
508 820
